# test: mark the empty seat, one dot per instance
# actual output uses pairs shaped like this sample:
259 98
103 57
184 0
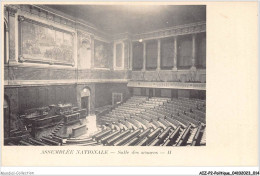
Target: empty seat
184 136
132 142
144 133
126 138
101 135
104 139
117 137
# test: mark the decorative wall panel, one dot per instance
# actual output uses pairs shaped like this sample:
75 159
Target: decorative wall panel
167 85
170 76
33 73
201 50
167 53
39 96
137 56
119 55
151 54
104 92
184 52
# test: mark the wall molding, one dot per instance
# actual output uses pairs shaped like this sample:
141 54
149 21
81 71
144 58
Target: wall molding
191 28
168 85
22 83
59 17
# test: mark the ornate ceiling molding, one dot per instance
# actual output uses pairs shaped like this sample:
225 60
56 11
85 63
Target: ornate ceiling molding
173 31
45 13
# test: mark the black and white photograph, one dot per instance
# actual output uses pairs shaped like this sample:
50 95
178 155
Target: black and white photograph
96 87
104 75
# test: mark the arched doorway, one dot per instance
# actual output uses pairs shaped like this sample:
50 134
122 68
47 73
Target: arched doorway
85 99
6 117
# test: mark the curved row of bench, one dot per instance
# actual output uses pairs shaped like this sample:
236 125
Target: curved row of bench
182 128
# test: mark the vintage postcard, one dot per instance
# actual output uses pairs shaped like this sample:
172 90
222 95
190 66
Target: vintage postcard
129 84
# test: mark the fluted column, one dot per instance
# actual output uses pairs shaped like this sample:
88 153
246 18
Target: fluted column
144 56
11 11
159 55
131 56
92 51
175 54
193 59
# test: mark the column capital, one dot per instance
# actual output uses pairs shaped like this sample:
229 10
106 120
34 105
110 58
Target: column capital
194 34
11 11
126 41
92 37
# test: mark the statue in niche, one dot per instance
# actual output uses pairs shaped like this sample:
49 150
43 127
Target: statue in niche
84 55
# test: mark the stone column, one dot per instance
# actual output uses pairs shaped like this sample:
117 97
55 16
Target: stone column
175 55
6 59
92 51
193 59
159 55
131 56
75 48
125 53
11 11
144 56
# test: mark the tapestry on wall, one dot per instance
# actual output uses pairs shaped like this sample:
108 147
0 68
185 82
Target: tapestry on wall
44 43
102 54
